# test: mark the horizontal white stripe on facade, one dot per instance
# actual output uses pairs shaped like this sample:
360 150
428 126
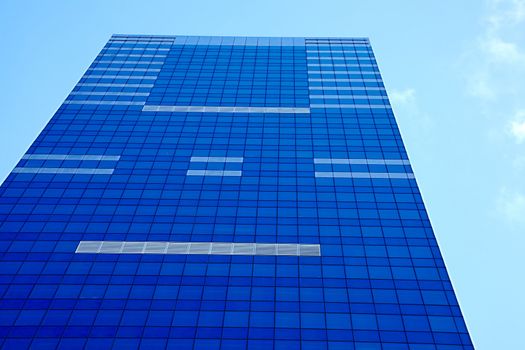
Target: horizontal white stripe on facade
198 248
125 69
100 56
346 80
116 85
355 106
362 175
144 41
338 51
131 62
341 65
82 171
215 109
349 97
112 103
107 76
119 48
361 161
347 88
193 172
339 58
69 157
217 159
343 73
109 93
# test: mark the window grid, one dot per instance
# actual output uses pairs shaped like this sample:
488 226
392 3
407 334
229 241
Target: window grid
379 280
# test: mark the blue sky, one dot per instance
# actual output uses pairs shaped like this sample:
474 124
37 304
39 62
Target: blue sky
454 70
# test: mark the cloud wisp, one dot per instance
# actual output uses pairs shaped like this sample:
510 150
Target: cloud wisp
495 71
406 108
498 59
403 97
501 51
517 126
511 205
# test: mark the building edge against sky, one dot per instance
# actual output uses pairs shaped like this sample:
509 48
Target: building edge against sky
223 192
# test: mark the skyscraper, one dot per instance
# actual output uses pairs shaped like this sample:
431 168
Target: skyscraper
222 193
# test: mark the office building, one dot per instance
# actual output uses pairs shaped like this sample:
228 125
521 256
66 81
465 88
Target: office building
223 193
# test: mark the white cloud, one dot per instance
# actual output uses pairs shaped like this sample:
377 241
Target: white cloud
512 206
517 126
406 109
503 51
478 86
518 163
403 97
518 10
494 70
496 63
495 67
518 130
506 12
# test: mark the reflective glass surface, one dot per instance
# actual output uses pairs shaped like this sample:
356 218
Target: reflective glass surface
223 193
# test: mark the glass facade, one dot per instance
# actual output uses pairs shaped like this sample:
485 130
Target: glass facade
222 193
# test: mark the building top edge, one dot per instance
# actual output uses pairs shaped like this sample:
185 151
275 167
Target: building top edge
155 36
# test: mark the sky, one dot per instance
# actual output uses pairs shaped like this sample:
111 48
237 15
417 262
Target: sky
454 71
